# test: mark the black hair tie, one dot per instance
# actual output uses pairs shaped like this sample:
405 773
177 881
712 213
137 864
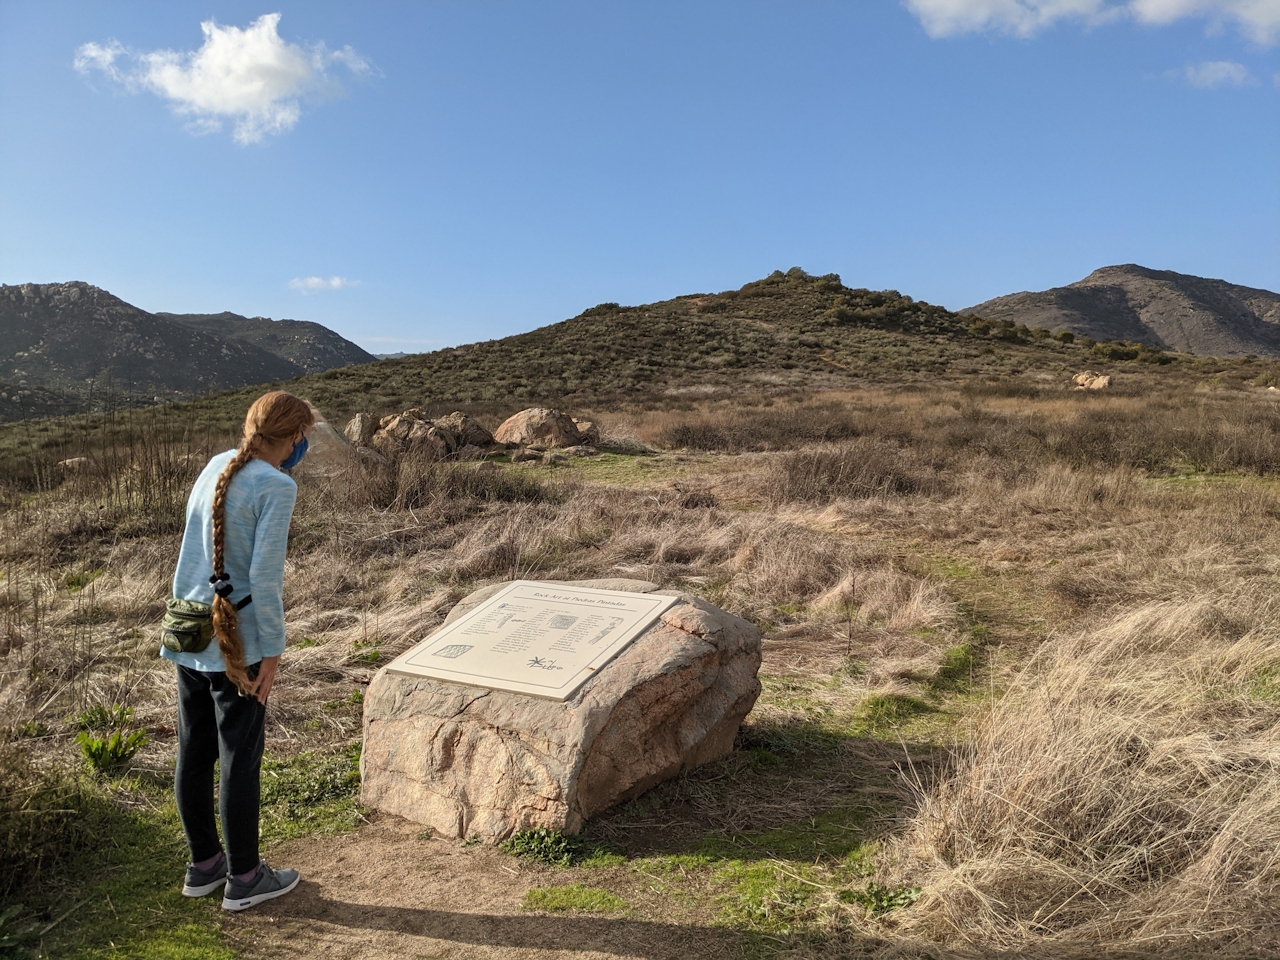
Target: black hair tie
221 585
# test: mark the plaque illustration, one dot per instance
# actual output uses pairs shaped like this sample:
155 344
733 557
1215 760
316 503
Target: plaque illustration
537 638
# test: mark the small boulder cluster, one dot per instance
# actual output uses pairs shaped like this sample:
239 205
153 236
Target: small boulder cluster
1091 381
534 434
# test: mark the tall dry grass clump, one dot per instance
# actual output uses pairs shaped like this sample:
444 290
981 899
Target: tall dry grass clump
1125 791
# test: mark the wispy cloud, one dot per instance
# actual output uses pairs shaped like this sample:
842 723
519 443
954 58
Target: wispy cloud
1259 20
319 284
249 76
1213 73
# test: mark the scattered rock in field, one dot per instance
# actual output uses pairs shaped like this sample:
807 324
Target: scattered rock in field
581 450
470 452
466 431
468 761
538 425
413 431
1091 381
360 429
588 431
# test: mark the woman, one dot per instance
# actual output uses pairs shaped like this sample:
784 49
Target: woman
232 560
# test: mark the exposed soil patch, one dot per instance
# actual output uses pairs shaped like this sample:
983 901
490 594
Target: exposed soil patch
383 892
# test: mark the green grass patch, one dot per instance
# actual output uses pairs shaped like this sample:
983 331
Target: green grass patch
127 901
883 713
956 672
951 568
576 897
310 793
838 834
763 896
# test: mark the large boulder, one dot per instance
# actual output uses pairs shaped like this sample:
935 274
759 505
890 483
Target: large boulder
360 429
1091 381
470 761
540 427
465 431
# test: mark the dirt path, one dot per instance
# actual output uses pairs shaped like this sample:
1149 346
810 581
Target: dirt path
383 892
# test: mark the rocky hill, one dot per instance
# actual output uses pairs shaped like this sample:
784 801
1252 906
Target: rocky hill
1173 311
788 331
311 347
66 346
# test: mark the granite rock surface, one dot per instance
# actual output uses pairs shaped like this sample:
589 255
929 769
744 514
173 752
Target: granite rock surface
470 761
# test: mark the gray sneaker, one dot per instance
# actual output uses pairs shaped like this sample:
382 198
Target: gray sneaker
198 883
265 885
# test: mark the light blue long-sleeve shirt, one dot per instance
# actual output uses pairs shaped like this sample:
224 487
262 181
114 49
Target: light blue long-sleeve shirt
260 503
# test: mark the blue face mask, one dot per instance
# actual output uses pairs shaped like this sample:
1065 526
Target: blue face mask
299 451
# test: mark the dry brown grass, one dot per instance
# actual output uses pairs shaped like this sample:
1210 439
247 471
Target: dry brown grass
1112 780
1126 790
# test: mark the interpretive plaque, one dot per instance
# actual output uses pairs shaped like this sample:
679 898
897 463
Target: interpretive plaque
544 639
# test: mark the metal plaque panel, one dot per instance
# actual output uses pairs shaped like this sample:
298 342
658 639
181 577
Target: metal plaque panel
544 639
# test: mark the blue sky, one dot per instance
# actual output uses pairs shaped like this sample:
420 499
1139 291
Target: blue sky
421 174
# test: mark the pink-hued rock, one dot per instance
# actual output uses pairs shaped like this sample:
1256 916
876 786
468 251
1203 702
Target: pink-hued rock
469 761
538 426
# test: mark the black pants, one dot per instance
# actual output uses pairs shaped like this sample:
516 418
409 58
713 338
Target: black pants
215 723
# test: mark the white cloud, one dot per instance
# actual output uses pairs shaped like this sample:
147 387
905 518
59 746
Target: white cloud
944 18
1259 20
1213 73
318 284
249 76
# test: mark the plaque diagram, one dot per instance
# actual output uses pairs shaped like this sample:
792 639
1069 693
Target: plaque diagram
541 639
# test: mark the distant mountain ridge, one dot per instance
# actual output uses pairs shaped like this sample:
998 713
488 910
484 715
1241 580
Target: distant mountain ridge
61 342
313 348
1174 311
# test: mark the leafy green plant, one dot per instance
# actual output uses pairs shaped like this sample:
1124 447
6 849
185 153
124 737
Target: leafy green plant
30 729
543 846
879 900
100 717
80 580
107 755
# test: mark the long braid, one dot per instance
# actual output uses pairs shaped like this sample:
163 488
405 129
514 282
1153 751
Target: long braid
226 621
273 418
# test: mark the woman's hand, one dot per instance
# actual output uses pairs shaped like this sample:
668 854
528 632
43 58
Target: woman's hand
266 676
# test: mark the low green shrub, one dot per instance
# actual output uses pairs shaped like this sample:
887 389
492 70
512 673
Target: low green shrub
110 754
879 900
100 717
543 846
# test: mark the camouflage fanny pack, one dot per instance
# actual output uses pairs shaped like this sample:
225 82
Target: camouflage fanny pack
187 626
